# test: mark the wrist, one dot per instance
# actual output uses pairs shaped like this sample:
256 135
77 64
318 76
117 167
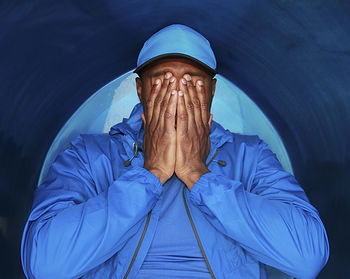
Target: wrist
192 176
159 174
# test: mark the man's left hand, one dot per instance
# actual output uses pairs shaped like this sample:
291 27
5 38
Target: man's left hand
192 132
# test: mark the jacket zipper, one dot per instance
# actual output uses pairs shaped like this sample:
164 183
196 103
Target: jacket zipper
194 227
138 245
197 236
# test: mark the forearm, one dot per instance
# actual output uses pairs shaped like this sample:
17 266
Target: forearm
78 237
285 234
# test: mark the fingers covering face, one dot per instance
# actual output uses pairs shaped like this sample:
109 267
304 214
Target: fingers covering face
189 106
195 103
158 100
150 101
170 112
204 106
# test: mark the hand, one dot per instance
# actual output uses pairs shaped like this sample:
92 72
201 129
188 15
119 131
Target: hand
192 132
159 143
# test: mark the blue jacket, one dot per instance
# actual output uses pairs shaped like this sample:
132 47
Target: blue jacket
93 217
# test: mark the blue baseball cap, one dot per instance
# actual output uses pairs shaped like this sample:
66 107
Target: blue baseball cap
177 40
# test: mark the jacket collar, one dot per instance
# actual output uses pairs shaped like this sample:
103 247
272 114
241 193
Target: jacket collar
133 127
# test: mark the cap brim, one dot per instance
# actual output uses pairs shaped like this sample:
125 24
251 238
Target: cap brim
174 55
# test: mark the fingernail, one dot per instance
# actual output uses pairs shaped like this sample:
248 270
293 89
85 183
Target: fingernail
181 93
157 81
200 83
187 77
173 92
183 81
168 75
172 79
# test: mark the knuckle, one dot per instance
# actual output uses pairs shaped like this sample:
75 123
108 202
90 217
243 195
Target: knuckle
204 106
169 115
149 104
169 134
157 101
190 106
196 102
183 116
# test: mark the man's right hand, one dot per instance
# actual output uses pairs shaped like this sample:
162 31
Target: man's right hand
159 143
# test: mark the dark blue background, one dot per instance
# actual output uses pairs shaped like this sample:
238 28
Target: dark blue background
292 57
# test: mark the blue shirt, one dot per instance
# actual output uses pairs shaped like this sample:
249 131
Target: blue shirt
174 252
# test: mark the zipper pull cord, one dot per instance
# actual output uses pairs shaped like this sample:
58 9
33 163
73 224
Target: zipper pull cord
221 163
135 152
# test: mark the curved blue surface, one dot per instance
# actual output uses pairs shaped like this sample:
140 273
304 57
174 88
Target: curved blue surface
292 58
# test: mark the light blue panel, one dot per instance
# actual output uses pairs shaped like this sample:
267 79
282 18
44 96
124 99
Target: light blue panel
235 111
113 101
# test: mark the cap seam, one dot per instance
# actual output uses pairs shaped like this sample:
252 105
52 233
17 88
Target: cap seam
174 54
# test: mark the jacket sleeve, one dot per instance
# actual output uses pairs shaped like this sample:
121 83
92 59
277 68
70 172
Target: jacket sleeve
72 228
273 220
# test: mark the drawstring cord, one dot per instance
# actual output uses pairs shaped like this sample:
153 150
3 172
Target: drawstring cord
135 152
221 163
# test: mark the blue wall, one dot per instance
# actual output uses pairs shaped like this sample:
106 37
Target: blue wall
292 58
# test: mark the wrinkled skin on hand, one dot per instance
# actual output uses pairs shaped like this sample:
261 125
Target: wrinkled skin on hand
159 142
192 133
177 125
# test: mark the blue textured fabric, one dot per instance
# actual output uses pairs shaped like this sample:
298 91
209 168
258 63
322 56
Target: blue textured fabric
174 252
177 39
89 214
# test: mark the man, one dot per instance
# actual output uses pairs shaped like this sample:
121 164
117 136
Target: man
169 193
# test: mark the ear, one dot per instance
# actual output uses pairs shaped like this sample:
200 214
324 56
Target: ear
213 86
139 88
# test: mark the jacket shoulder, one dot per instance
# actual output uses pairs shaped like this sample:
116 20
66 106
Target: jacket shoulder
246 140
96 143
91 148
